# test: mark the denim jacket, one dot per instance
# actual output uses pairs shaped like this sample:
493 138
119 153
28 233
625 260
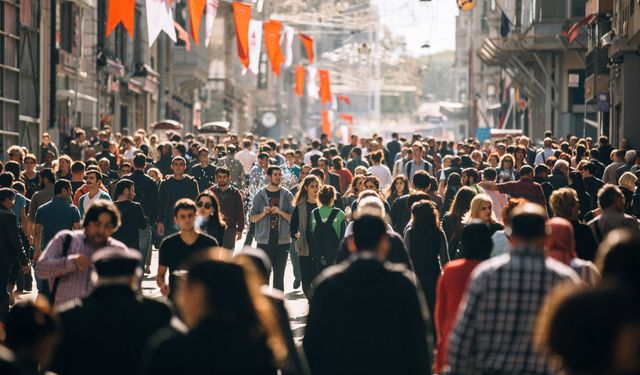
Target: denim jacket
260 201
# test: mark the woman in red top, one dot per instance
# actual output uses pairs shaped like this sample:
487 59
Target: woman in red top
476 247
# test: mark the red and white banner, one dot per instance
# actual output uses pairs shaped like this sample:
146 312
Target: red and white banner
255 45
210 16
159 18
272 40
289 34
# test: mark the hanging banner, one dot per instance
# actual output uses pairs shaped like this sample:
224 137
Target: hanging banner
210 16
307 42
345 99
196 9
289 34
121 11
299 80
272 39
326 123
347 118
159 18
312 86
325 86
255 45
242 17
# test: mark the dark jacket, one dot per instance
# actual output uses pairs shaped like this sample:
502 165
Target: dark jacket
105 332
367 317
231 206
10 246
400 213
558 180
586 245
334 180
592 185
168 193
398 253
146 194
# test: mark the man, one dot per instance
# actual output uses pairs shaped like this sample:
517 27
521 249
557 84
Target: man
531 152
105 153
612 206
178 247
610 171
594 156
133 219
400 211
234 166
559 173
356 160
524 188
204 172
44 195
290 165
246 156
315 150
629 162
592 184
54 216
346 149
604 150
494 332
343 336
545 153
11 250
394 148
66 261
77 175
258 174
271 212
128 150
231 207
47 146
177 186
330 178
94 328
94 194
470 177
417 163
147 196
78 145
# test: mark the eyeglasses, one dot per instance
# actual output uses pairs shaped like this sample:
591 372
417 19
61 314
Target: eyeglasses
206 205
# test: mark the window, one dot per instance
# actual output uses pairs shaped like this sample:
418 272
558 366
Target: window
577 9
553 10
67 26
9 75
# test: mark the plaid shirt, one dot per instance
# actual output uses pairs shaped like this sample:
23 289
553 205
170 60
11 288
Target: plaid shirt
494 331
73 283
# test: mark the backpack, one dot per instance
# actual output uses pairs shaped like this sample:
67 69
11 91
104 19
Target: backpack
324 241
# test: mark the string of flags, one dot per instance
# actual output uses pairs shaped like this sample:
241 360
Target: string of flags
249 37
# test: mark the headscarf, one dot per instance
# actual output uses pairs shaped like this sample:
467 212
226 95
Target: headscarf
560 243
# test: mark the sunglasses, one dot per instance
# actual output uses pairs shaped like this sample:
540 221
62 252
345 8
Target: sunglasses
206 205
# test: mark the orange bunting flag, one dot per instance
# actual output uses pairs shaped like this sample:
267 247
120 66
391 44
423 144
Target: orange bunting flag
299 80
307 41
326 124
242 16
325 86
345 99
272 39
121 11
347 118
196 9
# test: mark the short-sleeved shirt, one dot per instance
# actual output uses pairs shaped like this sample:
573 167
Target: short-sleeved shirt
174 252
54 216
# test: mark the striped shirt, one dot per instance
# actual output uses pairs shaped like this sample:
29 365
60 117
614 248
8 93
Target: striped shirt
495 325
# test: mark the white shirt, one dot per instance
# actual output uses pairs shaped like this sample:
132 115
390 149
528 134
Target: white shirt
383 174
88 201
130 153
308 155
246 158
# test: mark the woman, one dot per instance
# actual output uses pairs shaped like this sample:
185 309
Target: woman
481 208
580 153
427 246
454 182
564 203
372 183
452 220
30 176
357 186
380 170
520 157
304 203
627 183
398 188
155 174
210 219
327 228
476 245
345 174
493 160
560 245
64 168
164 162
576 183
506 172
229 321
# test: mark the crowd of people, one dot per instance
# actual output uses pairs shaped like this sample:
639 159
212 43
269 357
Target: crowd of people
416 255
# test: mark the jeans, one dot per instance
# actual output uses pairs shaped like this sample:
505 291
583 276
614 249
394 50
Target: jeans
229 239
278 256
145 243
295 262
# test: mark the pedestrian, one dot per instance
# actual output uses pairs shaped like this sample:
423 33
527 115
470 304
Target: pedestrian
66 261
399 187
610 171
560 245
220 306
525 187
499 288
30 175
94 194
236 170
44 194
133 218
327 229
592 183
417 163
246 156
564 203
47 146
343 336
612 216
627 184
357 186
305 201
231 207
577 184
498 199
452 221
271 212
380 170
204 172
77 175
345 174
64 167
175 187
454 182
210 219
330 178
481 209
506 171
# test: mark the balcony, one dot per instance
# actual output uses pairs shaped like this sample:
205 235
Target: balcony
190 68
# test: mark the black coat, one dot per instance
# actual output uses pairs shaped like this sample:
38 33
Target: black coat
586 245
398 253
146 194
105 332
10 246
592 185
367 317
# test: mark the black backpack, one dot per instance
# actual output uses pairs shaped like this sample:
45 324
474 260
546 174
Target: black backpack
324 240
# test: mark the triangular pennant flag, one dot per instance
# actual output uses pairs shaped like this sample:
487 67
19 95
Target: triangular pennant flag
159 18
312 86
211 11
307 41
196 9
272 39
326 123
289 34
299 80
347 118
325 86
183 35
121 11
242 16
345 99
255 45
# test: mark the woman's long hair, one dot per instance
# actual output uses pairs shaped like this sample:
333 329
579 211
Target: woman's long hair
303 194
460 205
425 217
216 216
353 189
476 205
376 182
392 192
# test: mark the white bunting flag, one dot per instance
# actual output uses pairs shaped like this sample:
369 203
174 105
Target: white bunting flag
159 18
210 15
255 45
312 87
289 34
